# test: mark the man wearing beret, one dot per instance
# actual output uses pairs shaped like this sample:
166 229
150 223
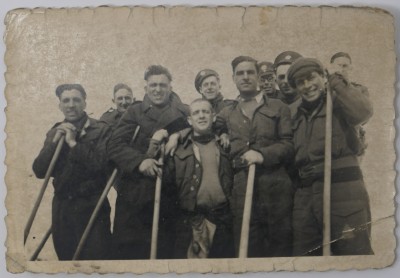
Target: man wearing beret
79 177
260 133
281 64
207 83
122 98
159 117
349 198
267 79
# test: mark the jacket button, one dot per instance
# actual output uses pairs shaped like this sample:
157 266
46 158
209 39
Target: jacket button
194 176
197 165
248 143
191 188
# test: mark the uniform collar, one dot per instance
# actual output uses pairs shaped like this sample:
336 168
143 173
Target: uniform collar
259 97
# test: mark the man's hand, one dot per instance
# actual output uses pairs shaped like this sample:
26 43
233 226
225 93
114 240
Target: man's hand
160 135
224 140
253 157
172 144
150 167
69 130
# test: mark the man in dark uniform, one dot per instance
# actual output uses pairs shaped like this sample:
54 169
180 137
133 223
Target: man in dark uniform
207 83
79 177
123 97
201 171
260 133
155 117
349 198
341 64
267 80
288 95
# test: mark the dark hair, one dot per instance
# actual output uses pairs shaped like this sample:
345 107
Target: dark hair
67 87
201 100
120 86
340 54
157 70
241 59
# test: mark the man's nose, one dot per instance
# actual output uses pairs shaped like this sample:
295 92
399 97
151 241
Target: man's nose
71 103
307 84
246 76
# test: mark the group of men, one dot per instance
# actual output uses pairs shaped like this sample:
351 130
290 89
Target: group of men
277 123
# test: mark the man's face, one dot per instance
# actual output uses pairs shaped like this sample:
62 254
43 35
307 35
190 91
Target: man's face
210 88
343 66
282 81
310 86
267 83
245 77
72 104
122 99
158 89
201 117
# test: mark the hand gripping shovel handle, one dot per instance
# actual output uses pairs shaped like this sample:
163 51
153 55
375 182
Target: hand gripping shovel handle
44 186
99 204
156 213
326 245
244 235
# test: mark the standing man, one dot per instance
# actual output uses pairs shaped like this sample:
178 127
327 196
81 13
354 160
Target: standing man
79 177
207 83
288 95
350 233
201 171
342 65
158 116
123 97
267 80
260 133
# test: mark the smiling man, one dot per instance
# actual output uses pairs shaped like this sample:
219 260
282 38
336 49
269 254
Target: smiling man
202 174
350 233
156 117
123 97
79 177
260 133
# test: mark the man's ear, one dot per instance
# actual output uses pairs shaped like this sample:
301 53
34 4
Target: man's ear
113 100
189 119
214 117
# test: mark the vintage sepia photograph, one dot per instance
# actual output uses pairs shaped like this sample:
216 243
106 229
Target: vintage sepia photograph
199 139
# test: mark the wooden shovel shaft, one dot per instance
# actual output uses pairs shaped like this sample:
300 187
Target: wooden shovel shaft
326 249
43 189
41 245
244 235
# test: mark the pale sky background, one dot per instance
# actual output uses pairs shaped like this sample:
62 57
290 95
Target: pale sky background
392 6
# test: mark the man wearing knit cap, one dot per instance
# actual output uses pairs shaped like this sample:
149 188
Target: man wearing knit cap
207 83
281 64
349 198
260 133
267 79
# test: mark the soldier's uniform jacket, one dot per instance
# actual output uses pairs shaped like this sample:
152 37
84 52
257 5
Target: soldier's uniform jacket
79 171
220 103
269 132
185 171
351 107
111 116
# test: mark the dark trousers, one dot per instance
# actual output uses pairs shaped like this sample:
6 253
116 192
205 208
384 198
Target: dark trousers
350 217
222 245
69 220
271 218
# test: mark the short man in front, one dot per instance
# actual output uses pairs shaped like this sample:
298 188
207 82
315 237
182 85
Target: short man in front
123 97
260 133
156 118
201 171
79 177
350 233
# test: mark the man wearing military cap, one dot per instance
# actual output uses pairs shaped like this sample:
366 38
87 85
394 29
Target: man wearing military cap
159 116
207 83
122 98
260 133
349 199
79 177
267 79
281 64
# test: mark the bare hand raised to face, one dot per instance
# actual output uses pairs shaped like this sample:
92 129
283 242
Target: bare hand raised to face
69 130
